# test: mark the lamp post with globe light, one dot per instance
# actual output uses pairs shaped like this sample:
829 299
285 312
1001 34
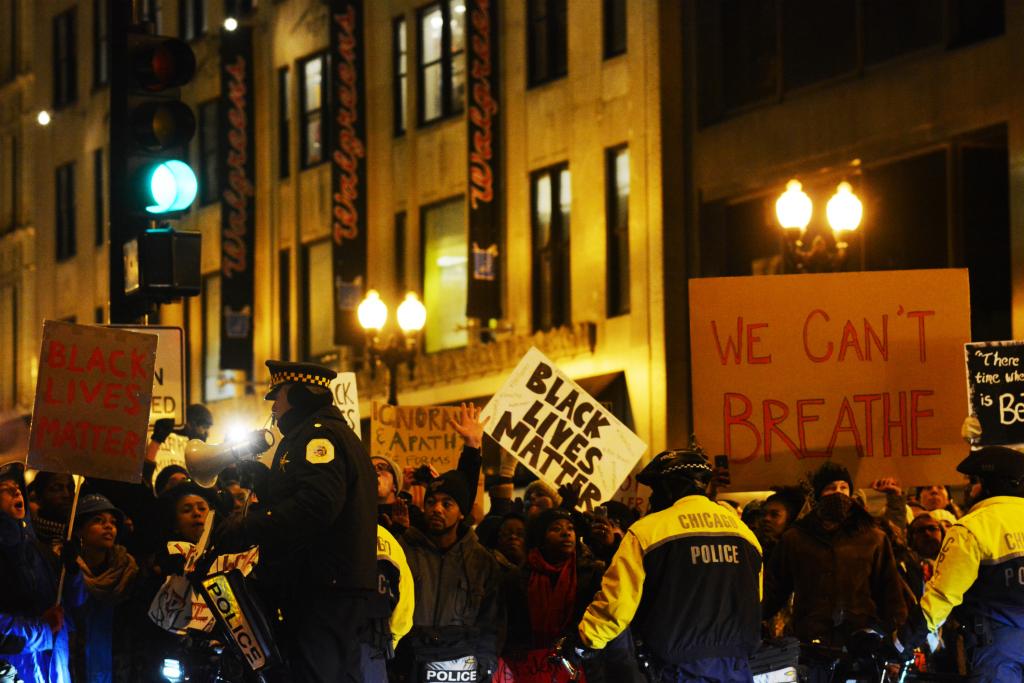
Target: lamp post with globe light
794 209
401 346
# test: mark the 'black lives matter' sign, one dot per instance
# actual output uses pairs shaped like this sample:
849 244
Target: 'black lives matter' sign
995 385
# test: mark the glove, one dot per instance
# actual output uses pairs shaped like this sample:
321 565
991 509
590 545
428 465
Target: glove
162 428
570 494
69 553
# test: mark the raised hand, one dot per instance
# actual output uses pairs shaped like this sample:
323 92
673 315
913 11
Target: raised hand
469 425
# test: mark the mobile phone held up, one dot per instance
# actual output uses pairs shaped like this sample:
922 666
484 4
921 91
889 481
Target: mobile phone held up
722 469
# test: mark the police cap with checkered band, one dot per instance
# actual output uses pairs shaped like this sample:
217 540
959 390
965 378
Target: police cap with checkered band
689 463
284 372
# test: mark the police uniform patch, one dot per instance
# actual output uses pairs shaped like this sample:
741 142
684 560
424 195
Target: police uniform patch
319 451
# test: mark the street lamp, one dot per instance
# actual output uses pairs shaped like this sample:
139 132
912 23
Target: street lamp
794 209
401 347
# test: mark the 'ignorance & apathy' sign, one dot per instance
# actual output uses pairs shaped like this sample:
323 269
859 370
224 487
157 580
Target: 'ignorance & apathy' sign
862 368
560 432
92 401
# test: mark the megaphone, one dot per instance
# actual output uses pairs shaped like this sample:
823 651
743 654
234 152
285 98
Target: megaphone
205 462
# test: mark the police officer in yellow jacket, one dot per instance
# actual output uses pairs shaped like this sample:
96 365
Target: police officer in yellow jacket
980 570
390 611
686 580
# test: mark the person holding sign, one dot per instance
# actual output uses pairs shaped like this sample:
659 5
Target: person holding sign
686 580
980 571
316 527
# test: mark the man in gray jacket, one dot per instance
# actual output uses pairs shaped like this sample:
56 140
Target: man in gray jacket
458 612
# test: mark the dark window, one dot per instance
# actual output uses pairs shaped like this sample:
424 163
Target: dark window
9 42
284 302
284 108
65 211
191 19
617 193
754 51
8 182
317 300
9 329
98 316
101 43
400 51
547 41
209 156
65 62
614 16
98 201
152 12
550 200
312 110
401 284
442 60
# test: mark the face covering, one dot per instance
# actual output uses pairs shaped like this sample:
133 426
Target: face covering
834 507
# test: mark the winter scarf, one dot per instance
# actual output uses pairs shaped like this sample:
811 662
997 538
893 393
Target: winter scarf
110 585
552 596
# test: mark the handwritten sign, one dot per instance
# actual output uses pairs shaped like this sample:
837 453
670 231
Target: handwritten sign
995 387
862 368
92 401
169 394
560 432
346 399
415 435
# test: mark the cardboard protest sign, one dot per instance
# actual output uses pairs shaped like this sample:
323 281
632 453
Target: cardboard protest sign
169 394
995 389
415 435
92 401
346 399
561 433
862 368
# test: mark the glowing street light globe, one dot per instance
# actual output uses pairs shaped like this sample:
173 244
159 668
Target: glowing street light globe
844 210
412 314
793 207
172 187
372 312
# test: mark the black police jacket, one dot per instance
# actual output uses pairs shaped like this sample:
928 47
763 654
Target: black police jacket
317 523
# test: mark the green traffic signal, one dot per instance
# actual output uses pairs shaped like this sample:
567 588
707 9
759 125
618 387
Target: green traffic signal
172 187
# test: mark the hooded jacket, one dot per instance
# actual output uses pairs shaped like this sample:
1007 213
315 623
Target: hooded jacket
842 581
458 609
29 589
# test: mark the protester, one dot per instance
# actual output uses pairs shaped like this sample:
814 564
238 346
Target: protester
103 574
31 623
608 525
688 557
459 610
547 597
540 496
778 513
937 498
925 535
54 492
838 566
509 548
980 570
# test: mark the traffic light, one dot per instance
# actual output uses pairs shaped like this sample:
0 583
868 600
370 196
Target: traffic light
151 182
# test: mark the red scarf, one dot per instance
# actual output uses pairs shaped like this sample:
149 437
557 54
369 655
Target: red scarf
551 595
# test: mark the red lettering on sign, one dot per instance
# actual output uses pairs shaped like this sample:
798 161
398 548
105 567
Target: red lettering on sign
350 149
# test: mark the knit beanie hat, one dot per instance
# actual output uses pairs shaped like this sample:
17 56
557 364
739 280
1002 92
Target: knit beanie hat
828 473
542 488
396 471
538 526
452 483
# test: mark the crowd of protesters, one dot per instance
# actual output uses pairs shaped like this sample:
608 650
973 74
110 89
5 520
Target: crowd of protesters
496 592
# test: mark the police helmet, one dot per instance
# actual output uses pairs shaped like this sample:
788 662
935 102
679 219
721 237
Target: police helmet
689 463
994 462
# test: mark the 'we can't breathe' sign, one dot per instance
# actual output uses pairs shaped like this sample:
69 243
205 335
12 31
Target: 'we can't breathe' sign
560 432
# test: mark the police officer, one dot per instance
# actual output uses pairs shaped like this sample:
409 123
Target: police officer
980 569
686 579
316 527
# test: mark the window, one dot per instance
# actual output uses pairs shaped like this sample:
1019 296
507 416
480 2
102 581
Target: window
191 19
401 66
754 52
318 300
284 302
442 60
614 28
550 200
65 205
217 384
311 96
65 62
9 340
209 156
8 182
617 193
8 42
152 11
98 315
445 258
101 43
401 283
284 110
98 203
547 41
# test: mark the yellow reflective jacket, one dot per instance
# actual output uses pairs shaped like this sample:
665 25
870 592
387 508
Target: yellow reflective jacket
688 581
981 565
395 582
